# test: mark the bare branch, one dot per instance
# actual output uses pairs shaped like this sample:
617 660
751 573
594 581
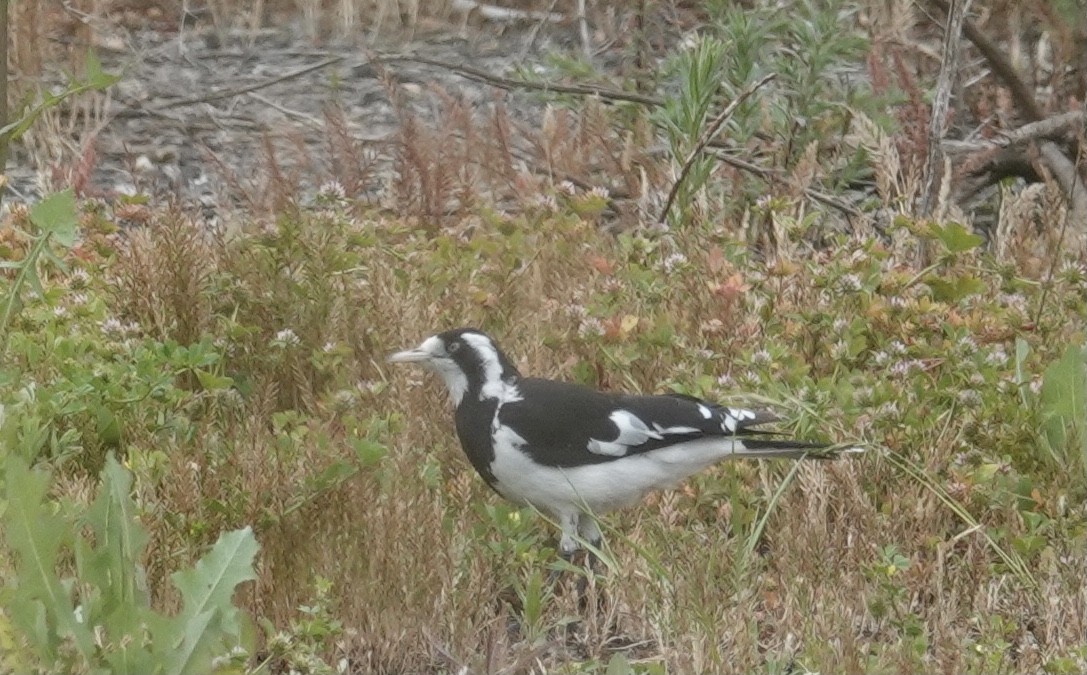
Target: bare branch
949 68
1021 93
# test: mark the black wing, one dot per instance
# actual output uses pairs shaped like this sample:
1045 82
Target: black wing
568 425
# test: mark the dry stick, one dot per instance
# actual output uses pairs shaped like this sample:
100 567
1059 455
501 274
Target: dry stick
1059 164
934 162
771 174
300 116
496 13
714 127
1021 93
238 91
1077 209
1051 128
1064 171
3 88
478 75
583 25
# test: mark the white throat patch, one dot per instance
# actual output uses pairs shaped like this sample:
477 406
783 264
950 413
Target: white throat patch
455 380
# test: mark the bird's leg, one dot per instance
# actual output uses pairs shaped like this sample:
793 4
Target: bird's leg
568 546
590 532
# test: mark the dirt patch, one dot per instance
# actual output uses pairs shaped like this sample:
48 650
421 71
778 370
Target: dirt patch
197 115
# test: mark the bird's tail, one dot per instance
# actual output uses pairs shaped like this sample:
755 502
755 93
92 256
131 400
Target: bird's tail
767 448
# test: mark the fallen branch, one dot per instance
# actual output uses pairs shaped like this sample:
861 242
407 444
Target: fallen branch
509 84
508 14
1064 172
934 177
1021 93
238 91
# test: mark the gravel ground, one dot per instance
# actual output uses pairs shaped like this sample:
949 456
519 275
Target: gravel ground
191 111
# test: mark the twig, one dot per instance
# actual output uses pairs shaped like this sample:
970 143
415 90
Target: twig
762 172
583 26
238 91
300 116
934 162
1000 64
478 75
710 132
496 13
1077 205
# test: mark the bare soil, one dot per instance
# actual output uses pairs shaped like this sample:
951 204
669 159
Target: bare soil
198 112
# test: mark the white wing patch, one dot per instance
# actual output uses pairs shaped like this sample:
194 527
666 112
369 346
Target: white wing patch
706 412
632 432
733 417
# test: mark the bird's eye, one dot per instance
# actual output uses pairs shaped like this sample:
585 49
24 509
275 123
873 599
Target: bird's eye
453 347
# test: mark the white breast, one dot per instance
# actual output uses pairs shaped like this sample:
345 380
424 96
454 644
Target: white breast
600 487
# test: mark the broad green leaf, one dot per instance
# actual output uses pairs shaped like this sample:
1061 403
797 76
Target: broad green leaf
197 648
212 382
368 452
119 537
56 214
1062 400
955 288
210 584
109 429
36 535
957 238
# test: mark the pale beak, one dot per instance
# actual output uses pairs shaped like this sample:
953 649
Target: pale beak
411 356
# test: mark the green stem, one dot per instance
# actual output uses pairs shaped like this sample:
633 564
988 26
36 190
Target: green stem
26 268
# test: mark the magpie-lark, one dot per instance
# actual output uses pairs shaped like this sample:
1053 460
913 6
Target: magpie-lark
570 451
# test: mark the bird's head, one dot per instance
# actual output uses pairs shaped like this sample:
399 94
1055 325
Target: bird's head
469 361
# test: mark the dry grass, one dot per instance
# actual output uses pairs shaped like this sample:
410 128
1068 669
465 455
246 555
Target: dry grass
431 573
421 566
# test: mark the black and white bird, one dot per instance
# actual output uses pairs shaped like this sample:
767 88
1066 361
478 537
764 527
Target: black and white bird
573 452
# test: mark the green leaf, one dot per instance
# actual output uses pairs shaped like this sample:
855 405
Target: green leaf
1022 351
197 646
369 452
56 214
619 665
1062 400
955 288
212 382
109 429
119 538
41 607
957 238
96 78
208 617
